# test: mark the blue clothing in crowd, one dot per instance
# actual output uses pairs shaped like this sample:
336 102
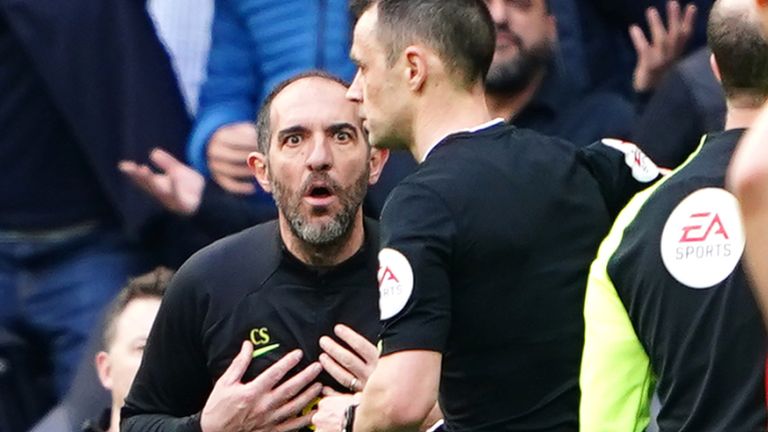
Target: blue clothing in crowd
256 44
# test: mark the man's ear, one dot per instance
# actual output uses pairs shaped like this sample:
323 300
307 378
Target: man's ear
257 162
416 67
715 67
104 369
378 159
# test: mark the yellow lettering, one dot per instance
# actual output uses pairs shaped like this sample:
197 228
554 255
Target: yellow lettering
260 336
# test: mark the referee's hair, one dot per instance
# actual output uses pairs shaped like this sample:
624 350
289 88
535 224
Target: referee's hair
264 117
460 31
740 48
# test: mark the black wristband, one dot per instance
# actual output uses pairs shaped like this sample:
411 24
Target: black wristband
349 418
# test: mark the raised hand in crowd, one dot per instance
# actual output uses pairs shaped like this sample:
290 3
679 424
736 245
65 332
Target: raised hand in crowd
260 404
665 46
178 187
227 153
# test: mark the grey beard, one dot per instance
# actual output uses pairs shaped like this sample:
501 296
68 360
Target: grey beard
333 233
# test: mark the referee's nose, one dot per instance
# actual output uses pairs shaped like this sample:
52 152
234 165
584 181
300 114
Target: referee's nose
355 92
320 157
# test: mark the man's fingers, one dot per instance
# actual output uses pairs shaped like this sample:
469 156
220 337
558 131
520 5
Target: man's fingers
143 177
234 186
362 346
329 391
342 375
686 27
164 160
638 40
294 406
295 423
273 374
289 389
228 169
239 365
673 17
229 153
656 26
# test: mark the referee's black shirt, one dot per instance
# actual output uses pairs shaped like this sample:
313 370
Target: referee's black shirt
486 249
245 287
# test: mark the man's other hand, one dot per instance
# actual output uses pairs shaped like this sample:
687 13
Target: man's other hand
227 153
178 187
667 44
350 368
260 404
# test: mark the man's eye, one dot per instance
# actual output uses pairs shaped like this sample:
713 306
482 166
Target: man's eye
292 140
343 136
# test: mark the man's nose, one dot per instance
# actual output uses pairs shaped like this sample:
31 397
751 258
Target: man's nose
498 11
354 92
320 157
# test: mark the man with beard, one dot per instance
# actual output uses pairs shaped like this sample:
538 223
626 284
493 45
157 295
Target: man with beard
235 344
528 87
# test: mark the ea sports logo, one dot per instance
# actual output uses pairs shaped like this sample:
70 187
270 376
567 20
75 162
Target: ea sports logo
395 282
703 238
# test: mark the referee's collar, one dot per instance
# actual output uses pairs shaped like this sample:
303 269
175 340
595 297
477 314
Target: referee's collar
485 125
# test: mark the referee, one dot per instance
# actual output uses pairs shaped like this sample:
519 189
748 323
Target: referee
668 305
485 247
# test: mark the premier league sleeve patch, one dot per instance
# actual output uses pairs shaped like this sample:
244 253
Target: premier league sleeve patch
703 238
643 168
395 282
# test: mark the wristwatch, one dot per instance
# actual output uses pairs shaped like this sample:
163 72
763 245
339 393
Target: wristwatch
349 418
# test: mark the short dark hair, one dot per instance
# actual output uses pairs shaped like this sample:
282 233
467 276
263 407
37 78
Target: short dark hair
147 285
461 31
736 39
264 117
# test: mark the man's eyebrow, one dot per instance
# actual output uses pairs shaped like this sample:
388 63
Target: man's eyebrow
290 131
343 126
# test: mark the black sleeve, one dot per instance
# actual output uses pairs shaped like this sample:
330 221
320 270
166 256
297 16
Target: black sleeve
669 128
173 382
621 170
221 213
418 232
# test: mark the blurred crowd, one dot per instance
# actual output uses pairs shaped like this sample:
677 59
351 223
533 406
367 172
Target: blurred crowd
126 128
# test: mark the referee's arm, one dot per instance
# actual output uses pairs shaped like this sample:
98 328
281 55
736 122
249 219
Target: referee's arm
400 393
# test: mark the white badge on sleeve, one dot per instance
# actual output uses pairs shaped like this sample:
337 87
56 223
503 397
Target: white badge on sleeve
395 282
703 238
643 168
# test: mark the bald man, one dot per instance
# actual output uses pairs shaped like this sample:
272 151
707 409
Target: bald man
668 306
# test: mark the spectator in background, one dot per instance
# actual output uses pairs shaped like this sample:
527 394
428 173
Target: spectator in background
255 45
608 45
184 26
71 227
688 103
126 328
530 89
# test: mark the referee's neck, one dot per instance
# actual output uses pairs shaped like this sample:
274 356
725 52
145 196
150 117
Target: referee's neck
741 115
443 113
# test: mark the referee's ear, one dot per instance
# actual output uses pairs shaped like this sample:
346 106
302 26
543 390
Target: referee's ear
257 162
378 159
715 67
